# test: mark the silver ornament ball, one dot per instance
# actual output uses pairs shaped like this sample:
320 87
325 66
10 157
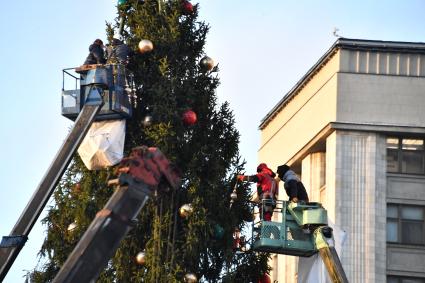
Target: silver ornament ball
233 195
207 63
190 278
147 121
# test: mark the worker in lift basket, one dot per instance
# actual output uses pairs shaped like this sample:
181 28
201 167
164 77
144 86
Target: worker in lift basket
266 188
293 186
96 55
119 52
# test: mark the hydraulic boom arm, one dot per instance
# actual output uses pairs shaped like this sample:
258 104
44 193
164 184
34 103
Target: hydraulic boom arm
11 245
140 177
324 243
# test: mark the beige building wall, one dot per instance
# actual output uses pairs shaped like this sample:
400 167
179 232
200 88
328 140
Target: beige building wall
381 100
314 175
332 131
311 110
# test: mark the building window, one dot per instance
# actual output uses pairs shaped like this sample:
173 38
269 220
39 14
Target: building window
405 155
402 279
405 224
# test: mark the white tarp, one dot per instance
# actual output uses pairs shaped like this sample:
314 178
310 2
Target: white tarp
312 269
103 145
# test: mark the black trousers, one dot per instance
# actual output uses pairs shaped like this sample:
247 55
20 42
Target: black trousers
296 189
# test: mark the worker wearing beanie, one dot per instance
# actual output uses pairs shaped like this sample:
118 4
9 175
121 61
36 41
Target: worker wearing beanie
293 186
96 55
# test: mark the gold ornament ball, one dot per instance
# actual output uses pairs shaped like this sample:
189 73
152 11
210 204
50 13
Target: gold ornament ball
141 258
190 278
186 210
207 63
145 45
72 226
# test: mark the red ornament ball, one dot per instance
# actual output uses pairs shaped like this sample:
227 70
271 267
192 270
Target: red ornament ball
189 118
77 188
187 7
265 279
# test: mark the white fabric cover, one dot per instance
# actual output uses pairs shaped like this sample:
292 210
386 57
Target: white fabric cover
103 145
312 269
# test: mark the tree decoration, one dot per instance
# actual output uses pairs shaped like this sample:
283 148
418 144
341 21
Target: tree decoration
189 118
265 278
187 7
236 239
122 2
206 63
72 226
145 45
77 188
186 210
141 258
190 278
218 232
233 196
147 121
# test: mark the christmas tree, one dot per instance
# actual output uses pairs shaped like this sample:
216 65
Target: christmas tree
189 232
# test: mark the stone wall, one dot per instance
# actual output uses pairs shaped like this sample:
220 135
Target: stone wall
356 201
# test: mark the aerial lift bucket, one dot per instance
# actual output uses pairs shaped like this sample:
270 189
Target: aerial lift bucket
302 231
112 81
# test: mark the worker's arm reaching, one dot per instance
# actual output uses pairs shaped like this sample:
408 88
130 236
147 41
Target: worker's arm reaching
245 178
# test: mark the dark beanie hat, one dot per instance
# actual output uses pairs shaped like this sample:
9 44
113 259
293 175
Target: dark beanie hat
98 41
281 170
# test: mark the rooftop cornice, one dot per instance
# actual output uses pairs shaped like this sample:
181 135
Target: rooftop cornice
343 43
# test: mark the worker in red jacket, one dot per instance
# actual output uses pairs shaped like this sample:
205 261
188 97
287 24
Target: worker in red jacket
266 188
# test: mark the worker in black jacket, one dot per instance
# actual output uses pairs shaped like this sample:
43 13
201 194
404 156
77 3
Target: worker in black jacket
119 52
96 55
293 186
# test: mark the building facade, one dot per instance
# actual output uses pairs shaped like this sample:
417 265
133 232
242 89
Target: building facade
353 128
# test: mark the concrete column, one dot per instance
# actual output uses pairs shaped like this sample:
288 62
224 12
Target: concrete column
356 201
313 174
313 178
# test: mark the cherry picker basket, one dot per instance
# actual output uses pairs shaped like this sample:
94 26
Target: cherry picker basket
292 232
112 82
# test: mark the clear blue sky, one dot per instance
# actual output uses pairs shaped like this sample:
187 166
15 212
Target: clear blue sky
263 48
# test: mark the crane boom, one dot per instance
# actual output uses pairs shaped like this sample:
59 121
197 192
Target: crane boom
147 167
12 244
